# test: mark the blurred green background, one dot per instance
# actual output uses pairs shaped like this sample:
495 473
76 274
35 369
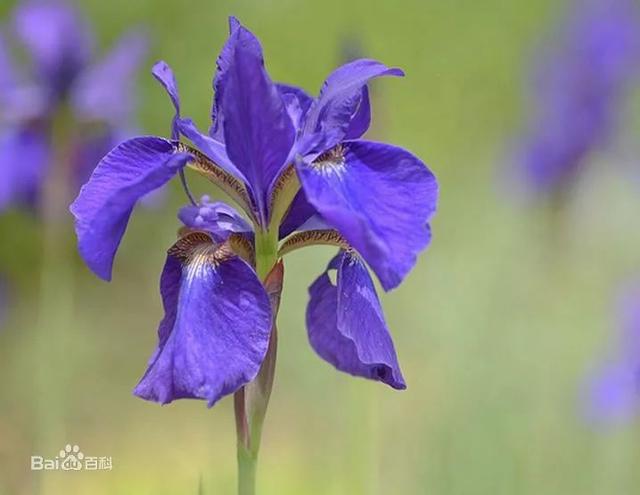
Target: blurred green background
497 328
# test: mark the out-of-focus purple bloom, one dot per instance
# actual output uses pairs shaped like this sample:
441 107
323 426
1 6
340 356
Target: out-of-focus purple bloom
579 87
300 172
62 82
614 393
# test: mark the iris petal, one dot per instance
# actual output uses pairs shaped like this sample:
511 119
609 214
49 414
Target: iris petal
102 209
346 325
215 332
223 62
297 101
258 131
164 75
342 96
380 198
361 119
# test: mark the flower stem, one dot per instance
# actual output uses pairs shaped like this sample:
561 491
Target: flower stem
251 401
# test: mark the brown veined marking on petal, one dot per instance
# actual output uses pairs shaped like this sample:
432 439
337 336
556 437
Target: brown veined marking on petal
197 242
185 246
243 247
331 160
224 180
284 190
313 238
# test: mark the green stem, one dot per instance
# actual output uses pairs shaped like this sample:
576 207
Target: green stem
251 401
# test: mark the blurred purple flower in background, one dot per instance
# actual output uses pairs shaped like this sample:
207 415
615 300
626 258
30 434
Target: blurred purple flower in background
65 106
614 391
579 87
297 167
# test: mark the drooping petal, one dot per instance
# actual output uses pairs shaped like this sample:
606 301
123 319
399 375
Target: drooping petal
257 129
215 332
379 197
58 39
90 148
24 159
341 98
105 91
346 325
102 209
216 217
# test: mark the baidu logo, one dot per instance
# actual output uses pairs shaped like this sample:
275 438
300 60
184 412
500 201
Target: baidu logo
71 459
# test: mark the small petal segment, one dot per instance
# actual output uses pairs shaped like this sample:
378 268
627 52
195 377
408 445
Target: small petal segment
216 328
102 209
346 325
379 197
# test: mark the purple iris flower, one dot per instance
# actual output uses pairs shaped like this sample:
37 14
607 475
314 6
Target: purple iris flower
614 391
62 88
579 88
301 174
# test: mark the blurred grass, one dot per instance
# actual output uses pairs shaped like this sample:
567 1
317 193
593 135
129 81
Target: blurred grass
496 328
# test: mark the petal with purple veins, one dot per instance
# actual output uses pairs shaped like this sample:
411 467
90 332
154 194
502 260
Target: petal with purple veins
258 131
379 197
102 209
346 325
216 328
342 100
223 62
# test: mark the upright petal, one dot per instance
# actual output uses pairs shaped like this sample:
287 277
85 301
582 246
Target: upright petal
102 209
361 119
58 38
216 328
257 129
106 90
341 98
379 197
223 62
346 325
